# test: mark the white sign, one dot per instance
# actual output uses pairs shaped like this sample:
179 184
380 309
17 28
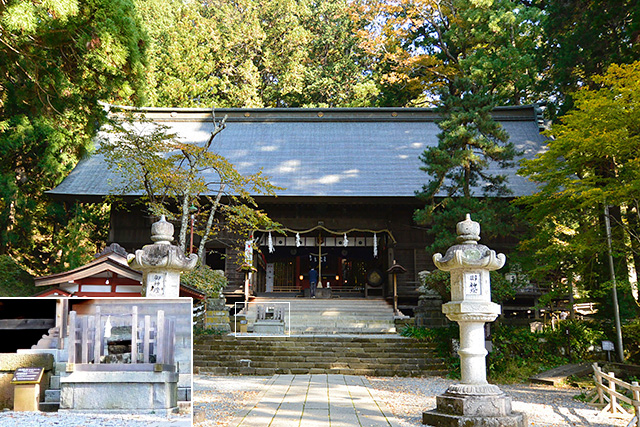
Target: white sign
248 252
155 284
607 346
472 284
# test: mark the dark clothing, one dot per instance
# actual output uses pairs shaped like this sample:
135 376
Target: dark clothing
313 276
313 282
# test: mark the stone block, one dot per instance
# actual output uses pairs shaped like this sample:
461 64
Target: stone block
9 362
267 327
54 382
52 396
494 406
436 419
120 392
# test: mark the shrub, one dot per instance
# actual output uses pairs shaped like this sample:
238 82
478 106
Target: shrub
14 281
203 278
631 340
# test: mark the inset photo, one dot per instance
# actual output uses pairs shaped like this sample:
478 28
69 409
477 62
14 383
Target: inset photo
95 362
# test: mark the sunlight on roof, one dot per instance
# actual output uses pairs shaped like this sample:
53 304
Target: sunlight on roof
289 166
329 179
269 148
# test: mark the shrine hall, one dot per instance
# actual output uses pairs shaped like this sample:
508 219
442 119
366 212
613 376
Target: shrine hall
349 179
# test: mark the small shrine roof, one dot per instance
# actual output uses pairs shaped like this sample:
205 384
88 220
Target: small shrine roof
105 265
343 152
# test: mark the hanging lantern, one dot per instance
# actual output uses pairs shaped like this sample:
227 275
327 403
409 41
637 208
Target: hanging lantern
298 241
270 244
345 241
375 245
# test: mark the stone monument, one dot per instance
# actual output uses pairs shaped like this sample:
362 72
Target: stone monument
161 263
473 402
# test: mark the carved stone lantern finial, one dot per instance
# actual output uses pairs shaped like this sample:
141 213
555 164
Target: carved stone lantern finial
162 232
161 263
473 402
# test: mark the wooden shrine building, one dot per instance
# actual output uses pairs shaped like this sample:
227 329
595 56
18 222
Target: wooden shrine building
108 275
347 173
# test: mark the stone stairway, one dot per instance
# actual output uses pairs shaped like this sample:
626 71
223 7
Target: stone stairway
389 355
330 316
52 394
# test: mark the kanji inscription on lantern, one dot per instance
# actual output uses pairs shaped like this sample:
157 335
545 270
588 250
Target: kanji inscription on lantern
156 281
472 284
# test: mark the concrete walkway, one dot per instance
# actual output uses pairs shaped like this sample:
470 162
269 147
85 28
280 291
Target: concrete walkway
316 401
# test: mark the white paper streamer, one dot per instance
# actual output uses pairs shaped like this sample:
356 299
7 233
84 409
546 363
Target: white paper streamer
107 328
270 244
375 245
298 241
345 241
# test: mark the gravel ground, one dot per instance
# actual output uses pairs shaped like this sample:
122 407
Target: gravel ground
545 406
222 397
60 419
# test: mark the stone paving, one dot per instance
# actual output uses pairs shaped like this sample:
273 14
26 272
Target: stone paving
316 400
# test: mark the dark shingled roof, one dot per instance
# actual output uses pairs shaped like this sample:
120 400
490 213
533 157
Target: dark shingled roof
363 152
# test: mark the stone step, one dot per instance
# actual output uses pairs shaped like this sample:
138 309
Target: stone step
54 382
51 396
313 352
49 406
354 355
306 370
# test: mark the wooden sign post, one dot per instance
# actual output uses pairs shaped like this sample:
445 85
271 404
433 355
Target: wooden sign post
26 395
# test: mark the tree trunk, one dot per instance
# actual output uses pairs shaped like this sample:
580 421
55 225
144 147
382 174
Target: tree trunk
212 214
184 221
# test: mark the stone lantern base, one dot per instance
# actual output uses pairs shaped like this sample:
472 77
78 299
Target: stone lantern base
474 410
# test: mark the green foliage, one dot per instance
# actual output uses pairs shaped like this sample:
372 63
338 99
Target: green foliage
497 218
581 39
442 338
466 44
211 282
631 341
591 160
422 47
287 53
517 352
57 61
14 281
152 161
579 335
603 295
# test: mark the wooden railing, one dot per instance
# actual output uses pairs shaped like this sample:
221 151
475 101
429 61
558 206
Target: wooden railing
608 396
152 340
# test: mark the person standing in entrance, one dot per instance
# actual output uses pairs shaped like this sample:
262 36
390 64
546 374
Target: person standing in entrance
313 282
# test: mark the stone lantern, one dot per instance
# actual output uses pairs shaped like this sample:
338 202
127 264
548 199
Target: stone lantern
473 402
161 263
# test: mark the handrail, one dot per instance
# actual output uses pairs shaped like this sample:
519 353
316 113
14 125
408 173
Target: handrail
608 393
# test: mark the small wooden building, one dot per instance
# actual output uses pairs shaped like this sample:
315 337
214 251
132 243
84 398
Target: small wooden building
350 179
108 275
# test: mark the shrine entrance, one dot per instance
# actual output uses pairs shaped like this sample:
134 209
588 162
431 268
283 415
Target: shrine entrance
348 269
